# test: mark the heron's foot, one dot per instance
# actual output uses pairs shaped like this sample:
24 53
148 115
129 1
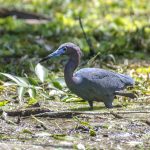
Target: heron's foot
109 105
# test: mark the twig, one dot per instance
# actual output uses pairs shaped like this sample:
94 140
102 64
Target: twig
90 61
39 121
42 112
27 112
86 38
58 126
5 118
4 12
69 114
146 121
116 115
61 114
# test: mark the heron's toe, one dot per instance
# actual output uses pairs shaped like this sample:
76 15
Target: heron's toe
109 105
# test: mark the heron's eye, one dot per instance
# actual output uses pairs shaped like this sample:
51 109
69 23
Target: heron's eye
65 48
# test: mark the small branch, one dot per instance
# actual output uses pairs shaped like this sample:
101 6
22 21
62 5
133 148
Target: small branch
4 12
27 112
58 126
69 114
39 121
61 114
116 115
5 118
90 61
42 112
146 121
86 38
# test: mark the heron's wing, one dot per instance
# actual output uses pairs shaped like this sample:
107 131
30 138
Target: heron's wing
104 79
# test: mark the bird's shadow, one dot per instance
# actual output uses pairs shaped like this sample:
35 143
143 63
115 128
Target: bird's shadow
88 108
94 108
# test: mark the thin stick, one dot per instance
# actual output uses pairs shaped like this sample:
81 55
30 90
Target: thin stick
26 112
58 126
68 114
5 118
39 121
146 121
116 115
86 38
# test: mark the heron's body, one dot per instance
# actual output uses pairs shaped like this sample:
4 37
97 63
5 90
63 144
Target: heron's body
99 85
92 84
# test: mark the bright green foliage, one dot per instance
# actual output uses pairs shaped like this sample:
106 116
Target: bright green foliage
41 72
118 26
23 84
32 101
87 125
3 103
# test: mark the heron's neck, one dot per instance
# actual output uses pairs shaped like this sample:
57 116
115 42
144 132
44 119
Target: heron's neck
71 65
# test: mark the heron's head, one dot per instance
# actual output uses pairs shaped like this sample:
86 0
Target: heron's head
69 49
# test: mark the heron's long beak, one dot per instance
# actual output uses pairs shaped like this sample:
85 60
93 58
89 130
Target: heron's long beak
56 53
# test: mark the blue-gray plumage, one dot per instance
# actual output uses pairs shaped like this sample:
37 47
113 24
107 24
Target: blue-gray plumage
91 84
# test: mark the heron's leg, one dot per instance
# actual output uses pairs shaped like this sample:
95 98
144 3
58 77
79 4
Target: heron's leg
108 101
91 105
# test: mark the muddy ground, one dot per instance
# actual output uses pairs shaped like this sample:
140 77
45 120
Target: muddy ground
105 131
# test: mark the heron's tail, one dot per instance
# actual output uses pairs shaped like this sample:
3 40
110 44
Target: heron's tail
131 95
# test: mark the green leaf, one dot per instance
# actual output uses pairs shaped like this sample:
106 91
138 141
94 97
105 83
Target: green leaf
57 85
1 88
4 102
45 95
21 92
26 131
143 70
19 80
9 84
32 92
92 132
11 77
23 81
32 81
41 72
32 101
